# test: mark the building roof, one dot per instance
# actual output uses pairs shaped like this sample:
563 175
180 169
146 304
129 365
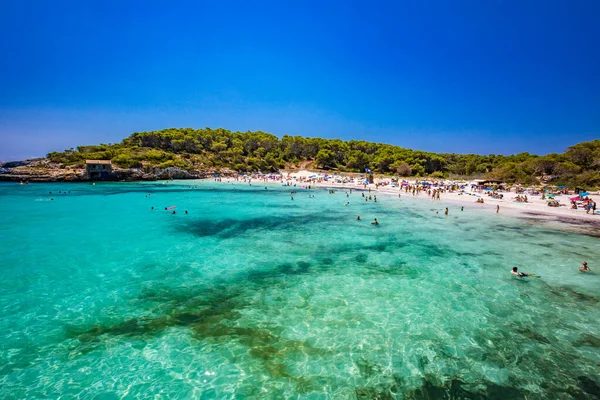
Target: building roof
98 162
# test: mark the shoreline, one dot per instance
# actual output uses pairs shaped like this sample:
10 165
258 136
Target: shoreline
576 221
535 209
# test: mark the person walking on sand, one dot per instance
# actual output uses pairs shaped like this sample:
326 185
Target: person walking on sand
584 267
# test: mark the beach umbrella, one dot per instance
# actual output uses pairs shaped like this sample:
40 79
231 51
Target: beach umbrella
583 194
560 187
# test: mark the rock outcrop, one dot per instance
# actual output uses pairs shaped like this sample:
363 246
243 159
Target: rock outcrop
43 170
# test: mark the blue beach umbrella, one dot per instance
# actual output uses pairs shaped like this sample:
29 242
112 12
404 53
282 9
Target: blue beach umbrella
560 187
583 194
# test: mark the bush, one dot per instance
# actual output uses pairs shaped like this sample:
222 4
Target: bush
124 161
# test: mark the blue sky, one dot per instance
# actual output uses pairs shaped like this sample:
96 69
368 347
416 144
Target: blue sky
446 76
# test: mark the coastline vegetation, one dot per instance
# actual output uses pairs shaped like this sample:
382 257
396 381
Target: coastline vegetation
198 149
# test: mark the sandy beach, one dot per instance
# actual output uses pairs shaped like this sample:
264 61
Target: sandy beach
535 208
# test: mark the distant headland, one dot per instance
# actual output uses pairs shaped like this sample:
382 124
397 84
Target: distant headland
186 153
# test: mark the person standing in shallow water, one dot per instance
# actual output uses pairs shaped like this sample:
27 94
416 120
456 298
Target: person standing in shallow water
584 267
497 209
446 212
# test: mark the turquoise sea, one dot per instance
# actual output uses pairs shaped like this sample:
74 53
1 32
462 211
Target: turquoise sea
252 295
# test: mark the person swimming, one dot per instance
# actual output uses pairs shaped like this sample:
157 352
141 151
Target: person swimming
584 267
358 218
515 272
375 222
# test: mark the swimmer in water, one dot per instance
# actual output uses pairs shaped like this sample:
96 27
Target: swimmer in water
446 212
358 218
515 272
584 267
375 222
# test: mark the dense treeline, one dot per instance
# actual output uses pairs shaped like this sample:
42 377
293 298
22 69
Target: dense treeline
207 148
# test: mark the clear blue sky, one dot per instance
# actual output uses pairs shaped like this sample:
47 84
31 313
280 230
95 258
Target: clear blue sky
447 76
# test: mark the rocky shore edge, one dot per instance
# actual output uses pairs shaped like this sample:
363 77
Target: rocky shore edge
43 170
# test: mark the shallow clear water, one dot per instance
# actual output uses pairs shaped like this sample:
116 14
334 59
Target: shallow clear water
253 295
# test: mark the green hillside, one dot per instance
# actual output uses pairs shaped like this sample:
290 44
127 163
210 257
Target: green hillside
198 149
